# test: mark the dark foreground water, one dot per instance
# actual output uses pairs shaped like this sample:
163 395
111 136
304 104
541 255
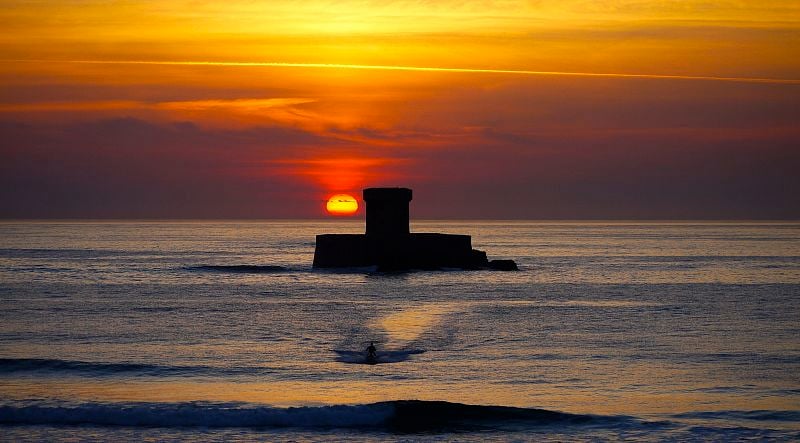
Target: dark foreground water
222 331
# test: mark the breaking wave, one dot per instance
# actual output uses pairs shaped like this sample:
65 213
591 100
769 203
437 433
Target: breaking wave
401 415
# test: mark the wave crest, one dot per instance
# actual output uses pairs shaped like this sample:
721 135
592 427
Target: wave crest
401 415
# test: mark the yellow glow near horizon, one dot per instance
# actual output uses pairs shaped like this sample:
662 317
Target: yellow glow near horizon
342 204
748 40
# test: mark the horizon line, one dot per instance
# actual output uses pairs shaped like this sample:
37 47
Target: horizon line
361 219
784 81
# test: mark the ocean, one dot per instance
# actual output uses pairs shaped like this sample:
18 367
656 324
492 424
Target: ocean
212 331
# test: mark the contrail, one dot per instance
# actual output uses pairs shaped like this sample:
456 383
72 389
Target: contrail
424 69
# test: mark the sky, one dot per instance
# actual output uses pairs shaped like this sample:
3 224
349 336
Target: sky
550 109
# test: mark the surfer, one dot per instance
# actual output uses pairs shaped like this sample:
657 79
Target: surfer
371 351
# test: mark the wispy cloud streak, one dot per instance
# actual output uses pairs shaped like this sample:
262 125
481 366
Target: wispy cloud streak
422 69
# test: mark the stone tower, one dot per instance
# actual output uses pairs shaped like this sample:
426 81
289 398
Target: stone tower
387 213
389 244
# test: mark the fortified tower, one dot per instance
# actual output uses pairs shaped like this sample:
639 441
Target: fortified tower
387 212
389 244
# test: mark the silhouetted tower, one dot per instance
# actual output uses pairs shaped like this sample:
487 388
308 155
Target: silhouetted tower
387 213
390 246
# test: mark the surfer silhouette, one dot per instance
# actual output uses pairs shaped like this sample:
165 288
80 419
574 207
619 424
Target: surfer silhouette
371 351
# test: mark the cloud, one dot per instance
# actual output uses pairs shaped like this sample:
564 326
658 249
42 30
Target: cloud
346 173
470 146
127 167
442 69
570 176
243 105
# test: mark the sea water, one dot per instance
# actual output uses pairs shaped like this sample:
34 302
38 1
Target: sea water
223 331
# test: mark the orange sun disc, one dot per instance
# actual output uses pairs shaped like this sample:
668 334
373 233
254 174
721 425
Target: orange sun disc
342 204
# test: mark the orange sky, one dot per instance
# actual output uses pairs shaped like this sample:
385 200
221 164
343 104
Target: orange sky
220 109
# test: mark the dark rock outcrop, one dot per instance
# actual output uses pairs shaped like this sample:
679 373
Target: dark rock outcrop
389 244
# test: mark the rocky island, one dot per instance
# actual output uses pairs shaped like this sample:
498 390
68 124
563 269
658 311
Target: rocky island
389 244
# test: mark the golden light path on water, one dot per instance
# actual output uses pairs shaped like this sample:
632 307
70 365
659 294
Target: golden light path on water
312 393
422 69
409 324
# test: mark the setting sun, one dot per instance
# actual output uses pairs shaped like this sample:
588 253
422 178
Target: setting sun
342 204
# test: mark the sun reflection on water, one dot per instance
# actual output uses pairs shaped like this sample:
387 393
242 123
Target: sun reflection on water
408 324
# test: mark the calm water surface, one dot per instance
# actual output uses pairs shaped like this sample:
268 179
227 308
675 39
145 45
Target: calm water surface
156 331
